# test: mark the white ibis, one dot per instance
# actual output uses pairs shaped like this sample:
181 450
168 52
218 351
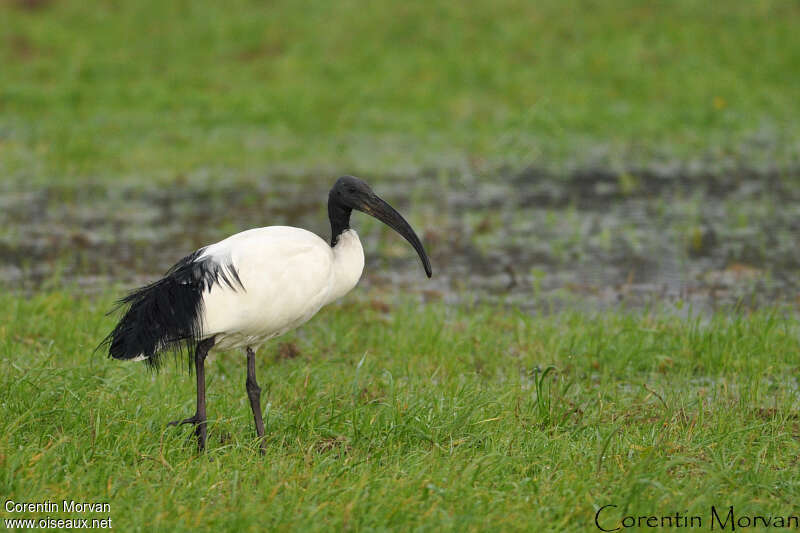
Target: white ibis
249 288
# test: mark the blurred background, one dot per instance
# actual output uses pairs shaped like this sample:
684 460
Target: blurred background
551 154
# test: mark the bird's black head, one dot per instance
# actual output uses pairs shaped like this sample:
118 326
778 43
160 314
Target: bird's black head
350 193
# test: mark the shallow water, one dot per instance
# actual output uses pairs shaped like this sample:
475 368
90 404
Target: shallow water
592 238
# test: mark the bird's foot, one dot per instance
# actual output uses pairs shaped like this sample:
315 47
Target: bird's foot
191 420
199 429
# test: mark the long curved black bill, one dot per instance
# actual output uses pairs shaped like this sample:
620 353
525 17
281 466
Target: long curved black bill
381 210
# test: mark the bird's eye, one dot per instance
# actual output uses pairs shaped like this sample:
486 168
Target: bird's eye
351 190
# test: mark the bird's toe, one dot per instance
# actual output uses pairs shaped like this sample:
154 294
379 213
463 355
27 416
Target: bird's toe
191 420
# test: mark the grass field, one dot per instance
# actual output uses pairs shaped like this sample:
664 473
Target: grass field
146 90
409 417
133 131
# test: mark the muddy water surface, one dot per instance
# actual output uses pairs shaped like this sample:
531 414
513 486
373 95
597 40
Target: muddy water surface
588 239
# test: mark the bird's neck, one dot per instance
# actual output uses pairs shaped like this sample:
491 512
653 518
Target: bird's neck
348 264
339 216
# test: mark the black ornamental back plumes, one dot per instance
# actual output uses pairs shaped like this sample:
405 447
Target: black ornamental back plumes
164 315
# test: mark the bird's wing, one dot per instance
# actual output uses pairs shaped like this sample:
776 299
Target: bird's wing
286 274
268 250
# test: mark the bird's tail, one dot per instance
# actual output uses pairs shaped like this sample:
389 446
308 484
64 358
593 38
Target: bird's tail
160 317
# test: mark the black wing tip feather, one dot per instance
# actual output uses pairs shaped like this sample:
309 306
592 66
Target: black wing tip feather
164 316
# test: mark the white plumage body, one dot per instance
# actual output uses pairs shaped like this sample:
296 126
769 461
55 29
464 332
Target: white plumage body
287 275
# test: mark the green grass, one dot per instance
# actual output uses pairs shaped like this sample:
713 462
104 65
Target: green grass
151 90
423 417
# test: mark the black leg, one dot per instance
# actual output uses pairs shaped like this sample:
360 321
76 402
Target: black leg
254 394
199 418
